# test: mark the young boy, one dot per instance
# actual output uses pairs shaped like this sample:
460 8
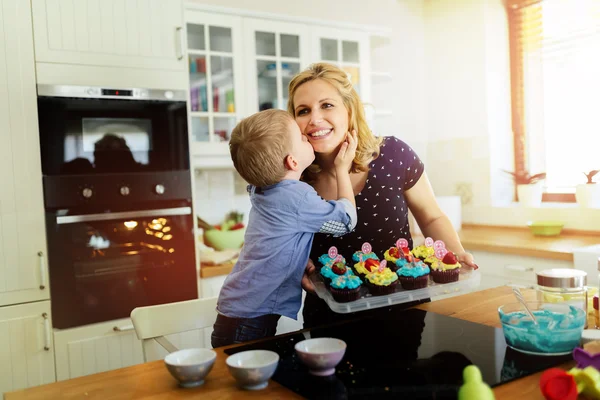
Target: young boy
270 153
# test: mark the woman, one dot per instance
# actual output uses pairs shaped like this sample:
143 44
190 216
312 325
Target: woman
387 176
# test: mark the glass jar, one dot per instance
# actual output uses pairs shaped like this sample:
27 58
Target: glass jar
563 285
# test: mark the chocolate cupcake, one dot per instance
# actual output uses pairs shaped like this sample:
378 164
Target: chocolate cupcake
414 275
345 288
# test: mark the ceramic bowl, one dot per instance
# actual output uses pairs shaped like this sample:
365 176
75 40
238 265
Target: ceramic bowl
545 228
222 240
190 366
252 369
321 355
558 332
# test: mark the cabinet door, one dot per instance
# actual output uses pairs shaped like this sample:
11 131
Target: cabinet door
26 348
144 34
23 269
273 53
349 50
214 47
96 348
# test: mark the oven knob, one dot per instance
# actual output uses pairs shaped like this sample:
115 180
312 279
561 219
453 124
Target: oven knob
124 190
159 189
87 193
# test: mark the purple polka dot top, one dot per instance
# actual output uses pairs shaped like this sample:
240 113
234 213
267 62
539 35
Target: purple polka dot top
381 206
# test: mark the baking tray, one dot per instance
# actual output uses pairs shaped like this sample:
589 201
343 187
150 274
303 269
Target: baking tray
467 281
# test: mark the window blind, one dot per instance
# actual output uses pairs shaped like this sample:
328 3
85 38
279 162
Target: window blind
555 77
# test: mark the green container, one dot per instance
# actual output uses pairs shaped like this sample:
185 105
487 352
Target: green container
545 228
221 240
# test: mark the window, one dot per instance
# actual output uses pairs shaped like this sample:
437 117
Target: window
555 84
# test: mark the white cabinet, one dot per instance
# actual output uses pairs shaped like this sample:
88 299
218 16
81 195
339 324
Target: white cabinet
506 269
144 34
96 348
26 347
214 47
23 270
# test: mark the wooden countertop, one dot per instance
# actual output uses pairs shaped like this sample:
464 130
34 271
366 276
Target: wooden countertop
497 239
153 381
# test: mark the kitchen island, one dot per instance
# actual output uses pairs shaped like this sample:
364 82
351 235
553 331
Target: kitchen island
153 381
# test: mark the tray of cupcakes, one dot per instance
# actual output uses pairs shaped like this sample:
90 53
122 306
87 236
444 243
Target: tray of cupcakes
402 276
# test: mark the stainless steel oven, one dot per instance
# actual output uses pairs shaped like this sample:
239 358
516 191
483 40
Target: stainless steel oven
117 194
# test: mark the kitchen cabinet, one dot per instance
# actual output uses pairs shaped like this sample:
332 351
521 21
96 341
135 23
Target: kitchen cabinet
26 348
214 48
23 267
274 53
141 34
89 349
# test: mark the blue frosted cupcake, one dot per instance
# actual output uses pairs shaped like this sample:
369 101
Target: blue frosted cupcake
413 275
345 288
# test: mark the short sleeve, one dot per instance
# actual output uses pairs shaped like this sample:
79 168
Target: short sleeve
320 216
409 165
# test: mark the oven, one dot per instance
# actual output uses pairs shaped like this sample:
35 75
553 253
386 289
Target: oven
118 201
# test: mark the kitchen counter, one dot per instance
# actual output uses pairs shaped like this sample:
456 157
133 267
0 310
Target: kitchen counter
153 381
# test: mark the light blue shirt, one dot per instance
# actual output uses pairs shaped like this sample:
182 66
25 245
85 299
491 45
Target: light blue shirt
283 220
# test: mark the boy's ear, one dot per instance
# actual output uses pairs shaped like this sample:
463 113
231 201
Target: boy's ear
291 163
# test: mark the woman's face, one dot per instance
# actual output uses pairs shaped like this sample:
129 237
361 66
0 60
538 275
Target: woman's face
321 115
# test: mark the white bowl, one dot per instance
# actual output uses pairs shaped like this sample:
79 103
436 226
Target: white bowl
252 369
190 366
321 355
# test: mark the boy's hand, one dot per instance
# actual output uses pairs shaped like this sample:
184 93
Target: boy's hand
345 156
306 283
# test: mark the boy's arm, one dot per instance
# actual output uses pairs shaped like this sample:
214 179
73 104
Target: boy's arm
335 217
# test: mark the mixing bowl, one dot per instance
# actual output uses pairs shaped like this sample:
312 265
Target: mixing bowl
558 331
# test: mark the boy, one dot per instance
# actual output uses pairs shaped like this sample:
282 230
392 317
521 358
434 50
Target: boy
270 153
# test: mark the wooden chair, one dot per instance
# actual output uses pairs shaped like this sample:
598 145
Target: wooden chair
153 323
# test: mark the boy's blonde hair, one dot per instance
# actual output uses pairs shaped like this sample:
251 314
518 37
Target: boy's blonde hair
259 145
368 144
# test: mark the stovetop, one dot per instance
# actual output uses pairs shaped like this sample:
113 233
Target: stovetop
411 354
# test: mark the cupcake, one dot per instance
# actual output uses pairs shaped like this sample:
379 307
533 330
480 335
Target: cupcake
365 253
423 251
328 261
413 275
446 269
366 267
332 271
381 281
345 288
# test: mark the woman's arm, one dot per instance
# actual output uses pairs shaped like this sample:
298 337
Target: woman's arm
432 220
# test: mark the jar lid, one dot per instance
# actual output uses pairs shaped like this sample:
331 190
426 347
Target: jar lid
562 278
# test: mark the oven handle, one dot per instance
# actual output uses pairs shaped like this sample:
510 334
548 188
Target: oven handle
165 212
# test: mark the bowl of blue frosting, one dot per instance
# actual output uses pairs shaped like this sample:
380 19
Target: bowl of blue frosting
557 332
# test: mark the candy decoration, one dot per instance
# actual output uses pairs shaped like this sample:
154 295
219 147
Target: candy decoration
429 242
338 258
438 244
440 253
382 265
401 243
366 247
332 252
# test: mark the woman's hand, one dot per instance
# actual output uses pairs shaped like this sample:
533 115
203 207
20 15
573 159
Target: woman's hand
306 283
466 260
345 156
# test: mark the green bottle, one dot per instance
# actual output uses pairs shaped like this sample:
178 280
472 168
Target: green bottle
473 387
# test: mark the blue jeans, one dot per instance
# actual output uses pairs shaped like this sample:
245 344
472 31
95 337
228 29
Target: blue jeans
228 330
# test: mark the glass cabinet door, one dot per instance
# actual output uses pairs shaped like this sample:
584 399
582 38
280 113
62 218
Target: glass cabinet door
277 52
214 56
349 51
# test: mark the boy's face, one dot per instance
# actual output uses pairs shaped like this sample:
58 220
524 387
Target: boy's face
301 148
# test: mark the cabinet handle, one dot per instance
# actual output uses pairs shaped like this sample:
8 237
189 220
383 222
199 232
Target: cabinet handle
46 332
518 268
42 265
123 328
179 42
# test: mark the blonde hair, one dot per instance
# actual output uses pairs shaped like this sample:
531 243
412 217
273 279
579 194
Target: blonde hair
259 145
368 143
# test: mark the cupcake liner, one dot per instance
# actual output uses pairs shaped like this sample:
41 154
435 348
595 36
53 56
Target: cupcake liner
345 295
411 283
447 276
377 290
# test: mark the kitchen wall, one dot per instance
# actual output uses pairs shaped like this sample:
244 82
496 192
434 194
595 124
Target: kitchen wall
405 62
467 115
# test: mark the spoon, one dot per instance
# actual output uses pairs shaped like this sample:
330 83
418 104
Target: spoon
521 299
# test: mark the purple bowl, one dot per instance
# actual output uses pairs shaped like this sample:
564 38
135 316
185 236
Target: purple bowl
321 355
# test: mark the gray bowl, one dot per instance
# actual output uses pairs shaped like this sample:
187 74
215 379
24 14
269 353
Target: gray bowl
321 355
190 366
252 369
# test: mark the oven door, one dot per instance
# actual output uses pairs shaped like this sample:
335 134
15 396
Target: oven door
104 265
